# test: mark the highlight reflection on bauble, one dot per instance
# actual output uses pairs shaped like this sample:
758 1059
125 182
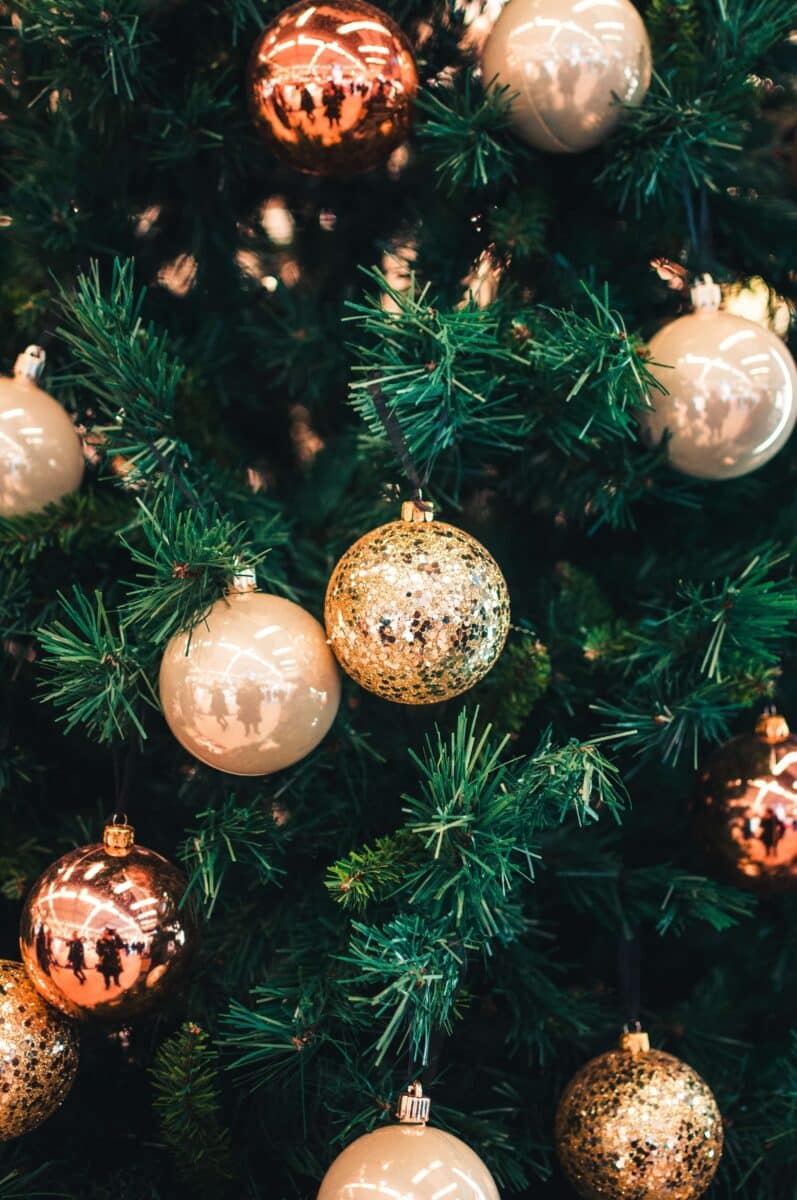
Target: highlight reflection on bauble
253 688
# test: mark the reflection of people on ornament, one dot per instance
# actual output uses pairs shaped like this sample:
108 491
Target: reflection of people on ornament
44 951
110 960
76 957
218 705
248 699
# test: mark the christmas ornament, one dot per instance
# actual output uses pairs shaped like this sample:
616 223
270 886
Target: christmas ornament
410 1160
331 86
38 1054
254 687
41 457
731 400
571 66
417 610
104 932
747 807
638 1124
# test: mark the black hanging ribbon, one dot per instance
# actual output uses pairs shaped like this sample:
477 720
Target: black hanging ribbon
629 975
398 441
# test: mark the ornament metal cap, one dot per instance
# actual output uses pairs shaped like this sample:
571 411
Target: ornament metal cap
244 580
772 728
413 1107
418 512
30 363
635 1041
118 837
706 295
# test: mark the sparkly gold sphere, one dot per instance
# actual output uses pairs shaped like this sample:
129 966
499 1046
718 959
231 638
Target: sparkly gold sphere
731 391
417 611
747 807
570 66
41 456
253 688
638 1124
103 933
38 1054
408 1161
331 86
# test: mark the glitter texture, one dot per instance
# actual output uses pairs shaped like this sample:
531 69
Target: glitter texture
38 1054
638 1126
417 612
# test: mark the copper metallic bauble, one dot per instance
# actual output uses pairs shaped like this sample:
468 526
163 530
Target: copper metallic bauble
41 456
253 688
410 1160
417 611
638 1124
731 400
572 65
747 807
103 933
38 1054
331 86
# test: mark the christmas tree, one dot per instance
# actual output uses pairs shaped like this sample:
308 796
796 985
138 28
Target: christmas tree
435 256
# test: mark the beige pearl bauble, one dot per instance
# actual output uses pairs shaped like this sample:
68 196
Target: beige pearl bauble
572 65
413 1162
417 612
38 1054
41 456
731 399
253 688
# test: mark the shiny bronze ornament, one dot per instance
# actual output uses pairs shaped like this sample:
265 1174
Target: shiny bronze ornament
746 807
331 86
417 610
38 1054
638 1124
103 932
411 1160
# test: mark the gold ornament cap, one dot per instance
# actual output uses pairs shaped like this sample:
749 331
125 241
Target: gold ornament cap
30 363
772 728
413 1107
417 512
244 580
706 295
634 1041
118 837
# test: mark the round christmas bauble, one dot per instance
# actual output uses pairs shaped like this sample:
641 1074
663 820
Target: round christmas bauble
570 66
331 86
746 807
38 1054
105 932
41 456
253 688
638 1124
411 1160
417 610
731 399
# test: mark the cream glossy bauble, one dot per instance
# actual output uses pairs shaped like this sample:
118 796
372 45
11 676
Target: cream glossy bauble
38 1054
408 1161
572 65
253 688
731 399
417 610
41 456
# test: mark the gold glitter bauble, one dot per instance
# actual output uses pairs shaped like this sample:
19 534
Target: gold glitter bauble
253 688
41 456
731 399
103 933
570 66
331 86
417 612
747 807
38 1054
638 1124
